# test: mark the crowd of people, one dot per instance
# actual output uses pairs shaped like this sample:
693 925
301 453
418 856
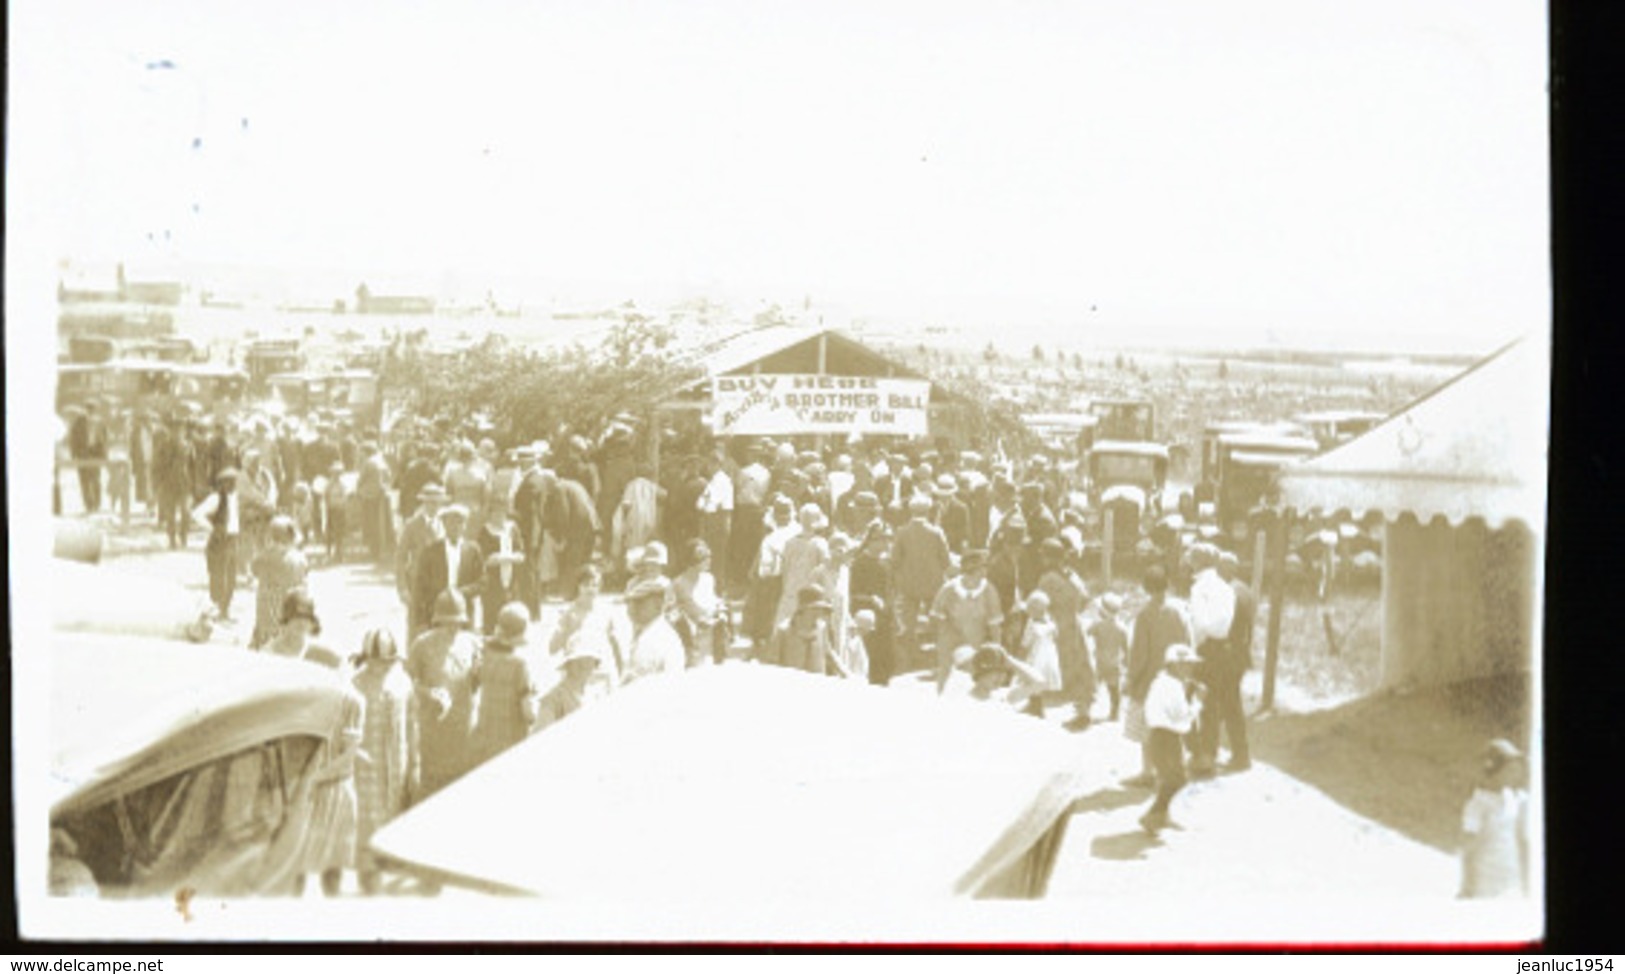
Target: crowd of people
961 571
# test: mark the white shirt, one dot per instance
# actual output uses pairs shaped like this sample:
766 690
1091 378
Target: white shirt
1213 606
206 510
718 495
656 650
839 483
454 561
752 487
1166 706
771 562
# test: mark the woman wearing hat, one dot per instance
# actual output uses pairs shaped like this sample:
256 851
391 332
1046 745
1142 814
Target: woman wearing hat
1067 599
966 612
804 641
805 555
1495 827
590 625
441 663
576 688
279 569
507 688
299 627
636 516
387 774
767 572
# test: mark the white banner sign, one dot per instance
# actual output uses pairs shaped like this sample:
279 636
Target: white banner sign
756 405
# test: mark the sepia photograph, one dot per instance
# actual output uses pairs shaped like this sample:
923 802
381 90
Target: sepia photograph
1061 472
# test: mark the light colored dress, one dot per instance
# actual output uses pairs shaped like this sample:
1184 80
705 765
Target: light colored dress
636 517
331 841
1038 651
389 740
805 556
1496 824
277 571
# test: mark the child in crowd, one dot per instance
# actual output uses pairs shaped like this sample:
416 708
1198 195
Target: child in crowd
1495 828
1039 652
1109 638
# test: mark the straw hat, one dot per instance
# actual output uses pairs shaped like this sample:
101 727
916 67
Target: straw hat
813 597
1179 653
299 605
647 588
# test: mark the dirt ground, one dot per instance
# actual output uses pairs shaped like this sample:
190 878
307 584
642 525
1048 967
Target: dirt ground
1357 799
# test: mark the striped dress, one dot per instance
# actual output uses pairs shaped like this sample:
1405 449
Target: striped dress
385 780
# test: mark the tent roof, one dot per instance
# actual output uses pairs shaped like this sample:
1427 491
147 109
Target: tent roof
1474 447
794 349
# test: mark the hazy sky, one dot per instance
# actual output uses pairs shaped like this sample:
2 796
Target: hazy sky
1306 169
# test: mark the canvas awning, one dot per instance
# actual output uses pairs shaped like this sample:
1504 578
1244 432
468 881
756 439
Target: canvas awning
1473 448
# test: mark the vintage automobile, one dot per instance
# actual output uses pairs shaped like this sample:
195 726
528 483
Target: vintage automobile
180 767
1246 467
1068 434
268 357
1125 420
1126 479
353 391
744 782
213 388
1336 426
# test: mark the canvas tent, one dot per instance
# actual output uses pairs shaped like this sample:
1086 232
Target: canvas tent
1459 477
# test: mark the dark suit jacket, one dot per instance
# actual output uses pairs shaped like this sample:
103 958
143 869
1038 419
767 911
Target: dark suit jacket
953 517
570 515
1241 627
431 577
530 509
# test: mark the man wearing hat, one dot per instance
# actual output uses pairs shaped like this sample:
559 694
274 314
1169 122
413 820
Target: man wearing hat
222 511
452 563
966 612
656 649
919 564
950 513
568 515
804 641
442 664
172 461
1213 612
530 496
419 531
1171 708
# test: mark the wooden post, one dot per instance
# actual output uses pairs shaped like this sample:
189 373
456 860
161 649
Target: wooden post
1280 524
1106 546
1260 552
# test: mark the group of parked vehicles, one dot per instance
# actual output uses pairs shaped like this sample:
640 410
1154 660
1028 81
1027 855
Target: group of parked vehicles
172 374
1123 472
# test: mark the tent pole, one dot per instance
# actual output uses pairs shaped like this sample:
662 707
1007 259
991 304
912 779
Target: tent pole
1277 583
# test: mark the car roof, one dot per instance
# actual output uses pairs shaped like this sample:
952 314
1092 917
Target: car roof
745 780
1129 446
1266 442
1253 458
129 712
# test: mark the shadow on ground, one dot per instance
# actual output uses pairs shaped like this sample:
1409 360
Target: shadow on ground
1405 760
1123 845
1106 800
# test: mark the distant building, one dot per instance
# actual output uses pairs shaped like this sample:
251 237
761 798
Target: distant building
368 303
